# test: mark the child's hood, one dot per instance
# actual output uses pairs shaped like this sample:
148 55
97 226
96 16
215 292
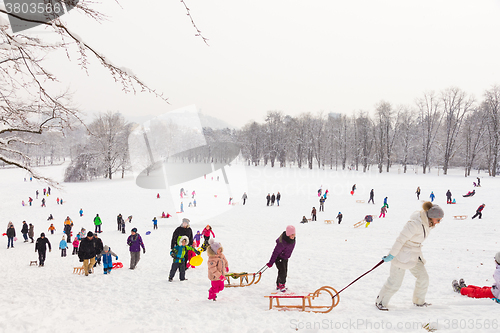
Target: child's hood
181 238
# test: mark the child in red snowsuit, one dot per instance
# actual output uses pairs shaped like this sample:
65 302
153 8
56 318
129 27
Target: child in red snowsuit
483 292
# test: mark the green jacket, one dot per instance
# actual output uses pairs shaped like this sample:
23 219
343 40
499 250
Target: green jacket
97 220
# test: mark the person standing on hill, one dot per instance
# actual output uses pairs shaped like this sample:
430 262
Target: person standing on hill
448 197
281 253
339 217
41 248
372 194
119 221
134 241
406 253
24 231
244 197
11 233
97 223
321 204
31 232
87 252
418 193
273 199
268 198
278 198
432 196
313 214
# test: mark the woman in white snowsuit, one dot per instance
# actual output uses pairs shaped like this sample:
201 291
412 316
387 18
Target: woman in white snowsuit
406 254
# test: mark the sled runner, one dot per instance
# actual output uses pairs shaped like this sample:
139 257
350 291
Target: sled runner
360 201
459 217
306 305
80 270
359 224
244 279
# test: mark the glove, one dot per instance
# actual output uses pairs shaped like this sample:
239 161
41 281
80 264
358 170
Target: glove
222 277
81 260
197 252
388 258
227 269
269 265
143 250
116 257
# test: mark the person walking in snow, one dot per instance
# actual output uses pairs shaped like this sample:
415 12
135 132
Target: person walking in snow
383 210
134 241
196 239
244 197
63 245
281 253
448 197
385 203
432 196
182 207
87 253
206 236
31 232
406 253
273 199
119 221
418 193
81 212
155 223
278 198
372 194
217 268
24 231
353 189
107 260
51 228
36 194
43 202
11 233
268 198
479 211
41 248
97 223
339 217
313 214
481 292
76 243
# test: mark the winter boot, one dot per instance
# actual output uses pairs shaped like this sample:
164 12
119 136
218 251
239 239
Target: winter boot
462 283
381 307
283 288
456 286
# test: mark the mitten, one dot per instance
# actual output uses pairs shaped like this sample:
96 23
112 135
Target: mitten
143 250
269 265
227 269
388 258
81 260
222 277
116 257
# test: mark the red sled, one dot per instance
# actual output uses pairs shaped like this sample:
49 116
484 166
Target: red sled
352 192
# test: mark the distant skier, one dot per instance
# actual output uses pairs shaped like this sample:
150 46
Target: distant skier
479 211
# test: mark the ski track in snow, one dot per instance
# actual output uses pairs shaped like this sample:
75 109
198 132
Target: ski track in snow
52 299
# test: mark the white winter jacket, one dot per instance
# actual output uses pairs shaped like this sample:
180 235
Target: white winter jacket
407 248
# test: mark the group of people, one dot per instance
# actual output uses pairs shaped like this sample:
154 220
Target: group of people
271 199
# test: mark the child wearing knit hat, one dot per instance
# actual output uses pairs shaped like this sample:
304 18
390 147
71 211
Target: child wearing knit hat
217 268
282 252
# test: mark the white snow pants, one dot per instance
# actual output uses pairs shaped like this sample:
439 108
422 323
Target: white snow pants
395 280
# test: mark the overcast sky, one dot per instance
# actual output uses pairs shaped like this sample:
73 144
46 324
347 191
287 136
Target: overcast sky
292 56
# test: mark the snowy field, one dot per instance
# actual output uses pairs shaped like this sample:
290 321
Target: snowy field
52 299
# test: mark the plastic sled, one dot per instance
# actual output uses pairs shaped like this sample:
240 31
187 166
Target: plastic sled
196 260
468 195
117 265
327 303
243 277
148 232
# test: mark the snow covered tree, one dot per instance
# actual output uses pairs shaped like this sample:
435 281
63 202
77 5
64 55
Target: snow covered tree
474 130
491 105
32 100
406 128
430 115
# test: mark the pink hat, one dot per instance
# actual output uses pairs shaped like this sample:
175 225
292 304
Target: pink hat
290 230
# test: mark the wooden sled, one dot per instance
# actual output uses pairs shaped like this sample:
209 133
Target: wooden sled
360 201
359 224
79 270
307 304
329 221
459 217
244 279
33 262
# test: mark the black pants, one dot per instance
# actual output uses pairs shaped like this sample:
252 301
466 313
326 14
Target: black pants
321 208
371 199
313 217
41 257
119 226
155 226
75 250
282 266
478 214
63 252
182 270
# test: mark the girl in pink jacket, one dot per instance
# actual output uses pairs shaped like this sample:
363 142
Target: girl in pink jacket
206 235
217 268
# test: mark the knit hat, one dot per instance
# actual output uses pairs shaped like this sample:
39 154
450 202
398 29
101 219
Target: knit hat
214 245
435 212
497 257
134 230
185 222
42 234
90 234
290 230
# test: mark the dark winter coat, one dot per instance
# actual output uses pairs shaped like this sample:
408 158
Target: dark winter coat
372 194
41 244
180 231
278 196
11 232
322 201
283 249
273 198
480 208
31 231
87 249
99 246
24 230
448 194
135 243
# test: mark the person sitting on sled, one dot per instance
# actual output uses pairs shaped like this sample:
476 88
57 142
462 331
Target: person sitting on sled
304 220
368 219
481 292
282 252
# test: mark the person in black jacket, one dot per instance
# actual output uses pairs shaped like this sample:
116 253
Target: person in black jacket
273 198
268 198
41 248
372 194
24 231
99 246
119 221
183 230
278 198
11 233
87 252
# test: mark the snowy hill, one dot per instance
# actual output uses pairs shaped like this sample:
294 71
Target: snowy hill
52 299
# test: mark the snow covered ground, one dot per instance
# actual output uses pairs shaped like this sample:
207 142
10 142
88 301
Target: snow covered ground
52 299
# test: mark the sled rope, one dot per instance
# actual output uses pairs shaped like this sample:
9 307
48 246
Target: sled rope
380 263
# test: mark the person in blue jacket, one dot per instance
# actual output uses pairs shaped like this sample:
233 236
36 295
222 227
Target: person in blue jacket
107 260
